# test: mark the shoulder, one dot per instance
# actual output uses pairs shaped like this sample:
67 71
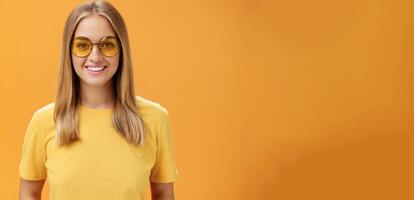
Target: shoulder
43 116
151 110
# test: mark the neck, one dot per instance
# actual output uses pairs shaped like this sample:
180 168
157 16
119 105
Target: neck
97 97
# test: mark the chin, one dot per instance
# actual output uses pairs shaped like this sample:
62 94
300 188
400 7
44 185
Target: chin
94 83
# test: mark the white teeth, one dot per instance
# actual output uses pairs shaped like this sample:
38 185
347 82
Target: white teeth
95 69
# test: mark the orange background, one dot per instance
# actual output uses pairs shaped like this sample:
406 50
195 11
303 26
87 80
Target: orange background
268 99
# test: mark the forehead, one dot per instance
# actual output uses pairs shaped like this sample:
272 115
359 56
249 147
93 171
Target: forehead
94 27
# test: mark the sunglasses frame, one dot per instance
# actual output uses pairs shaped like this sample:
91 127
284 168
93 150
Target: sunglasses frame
92 44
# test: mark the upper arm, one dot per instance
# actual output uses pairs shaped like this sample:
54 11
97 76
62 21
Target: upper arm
32 168
164 169
162 190
33 154
30 189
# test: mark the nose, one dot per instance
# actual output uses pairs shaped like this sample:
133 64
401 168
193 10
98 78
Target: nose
95 54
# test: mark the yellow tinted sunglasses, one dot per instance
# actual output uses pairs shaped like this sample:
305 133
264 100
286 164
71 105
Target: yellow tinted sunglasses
82 46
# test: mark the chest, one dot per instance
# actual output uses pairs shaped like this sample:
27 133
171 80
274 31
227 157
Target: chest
102 158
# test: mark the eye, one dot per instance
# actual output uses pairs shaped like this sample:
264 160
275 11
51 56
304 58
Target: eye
82 45
107 45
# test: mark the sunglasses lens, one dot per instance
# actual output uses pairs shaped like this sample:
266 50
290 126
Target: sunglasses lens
109 46
81 47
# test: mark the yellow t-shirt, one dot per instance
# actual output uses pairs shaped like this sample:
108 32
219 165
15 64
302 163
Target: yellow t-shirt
102 165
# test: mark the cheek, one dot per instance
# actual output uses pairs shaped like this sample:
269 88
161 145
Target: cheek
114 62
77 65
77 62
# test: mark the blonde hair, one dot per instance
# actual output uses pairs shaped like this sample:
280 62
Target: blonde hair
125 118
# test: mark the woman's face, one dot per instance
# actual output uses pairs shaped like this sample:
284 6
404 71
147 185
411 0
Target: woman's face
89 68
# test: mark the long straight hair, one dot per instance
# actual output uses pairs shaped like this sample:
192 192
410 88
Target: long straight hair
125 116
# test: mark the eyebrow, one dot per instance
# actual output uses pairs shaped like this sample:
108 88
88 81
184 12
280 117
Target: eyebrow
91 39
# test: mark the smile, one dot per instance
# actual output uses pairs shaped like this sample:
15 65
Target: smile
95 70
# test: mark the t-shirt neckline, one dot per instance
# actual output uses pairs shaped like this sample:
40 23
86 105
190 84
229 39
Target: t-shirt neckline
94 110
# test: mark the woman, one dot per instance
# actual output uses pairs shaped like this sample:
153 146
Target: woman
97 140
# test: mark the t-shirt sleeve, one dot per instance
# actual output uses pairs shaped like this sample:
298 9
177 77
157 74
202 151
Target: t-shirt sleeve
33 156
164 169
